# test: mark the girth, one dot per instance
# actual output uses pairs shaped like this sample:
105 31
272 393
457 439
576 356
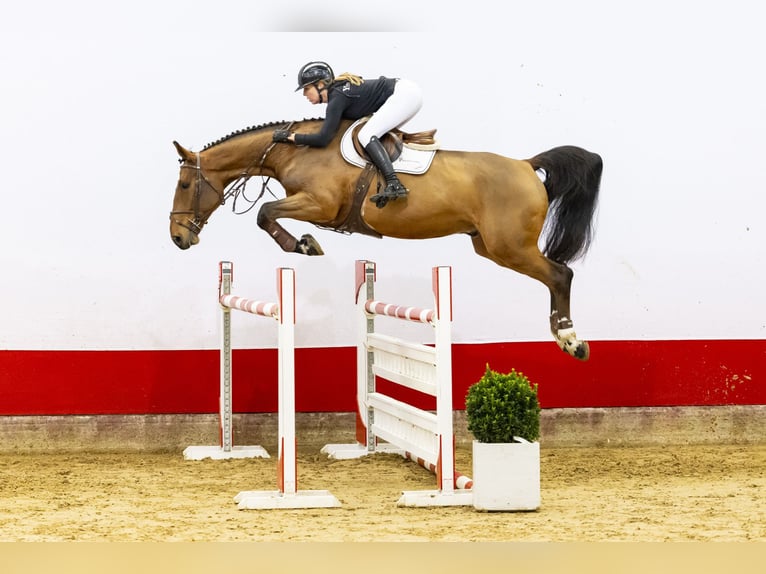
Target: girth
353 223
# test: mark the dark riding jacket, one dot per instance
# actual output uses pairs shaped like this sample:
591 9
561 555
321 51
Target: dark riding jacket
347 101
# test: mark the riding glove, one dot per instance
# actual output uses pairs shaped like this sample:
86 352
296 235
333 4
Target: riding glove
281 136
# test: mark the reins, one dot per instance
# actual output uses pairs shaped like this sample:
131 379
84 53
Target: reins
235 190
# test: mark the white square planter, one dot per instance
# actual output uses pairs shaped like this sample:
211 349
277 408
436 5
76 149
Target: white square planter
506 476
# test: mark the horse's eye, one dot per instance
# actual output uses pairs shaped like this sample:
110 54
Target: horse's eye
185 185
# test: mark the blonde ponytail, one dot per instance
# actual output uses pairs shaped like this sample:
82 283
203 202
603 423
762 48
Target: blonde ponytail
346 77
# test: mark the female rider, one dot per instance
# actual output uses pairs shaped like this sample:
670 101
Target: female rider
391 102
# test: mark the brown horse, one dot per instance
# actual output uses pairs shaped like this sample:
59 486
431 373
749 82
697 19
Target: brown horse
502 204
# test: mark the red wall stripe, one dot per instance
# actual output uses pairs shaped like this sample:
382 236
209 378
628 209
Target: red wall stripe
619 374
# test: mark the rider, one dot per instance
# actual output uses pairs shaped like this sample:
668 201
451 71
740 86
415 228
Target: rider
391 102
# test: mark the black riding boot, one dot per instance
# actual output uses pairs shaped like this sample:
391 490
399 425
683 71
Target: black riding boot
394 187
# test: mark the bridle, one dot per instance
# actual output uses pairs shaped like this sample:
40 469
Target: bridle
196 223
198 220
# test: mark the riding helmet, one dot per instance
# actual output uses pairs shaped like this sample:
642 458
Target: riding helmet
314 72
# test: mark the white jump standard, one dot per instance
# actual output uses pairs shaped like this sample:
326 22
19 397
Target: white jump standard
407 430
227 302
287 495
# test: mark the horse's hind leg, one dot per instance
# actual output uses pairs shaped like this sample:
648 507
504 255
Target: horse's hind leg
529 261
561 323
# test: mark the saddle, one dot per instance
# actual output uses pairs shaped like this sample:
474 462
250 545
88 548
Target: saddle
395 140
409 152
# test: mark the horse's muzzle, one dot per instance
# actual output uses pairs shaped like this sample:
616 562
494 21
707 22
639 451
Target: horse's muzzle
180 242
184 233
184 240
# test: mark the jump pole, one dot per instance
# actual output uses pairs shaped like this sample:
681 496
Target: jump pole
422 436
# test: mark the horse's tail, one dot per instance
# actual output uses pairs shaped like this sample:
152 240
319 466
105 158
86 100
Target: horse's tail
573 177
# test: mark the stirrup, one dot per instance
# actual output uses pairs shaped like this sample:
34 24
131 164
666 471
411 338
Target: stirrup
393 190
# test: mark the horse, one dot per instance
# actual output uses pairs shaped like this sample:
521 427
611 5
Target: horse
504 205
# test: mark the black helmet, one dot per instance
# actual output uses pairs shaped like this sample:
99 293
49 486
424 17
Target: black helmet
314 72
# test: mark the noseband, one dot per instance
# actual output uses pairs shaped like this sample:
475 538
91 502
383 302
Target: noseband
198 221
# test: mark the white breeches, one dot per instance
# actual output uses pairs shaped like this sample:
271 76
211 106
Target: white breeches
397 110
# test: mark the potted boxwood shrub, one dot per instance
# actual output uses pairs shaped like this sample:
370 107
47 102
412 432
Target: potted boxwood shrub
503 414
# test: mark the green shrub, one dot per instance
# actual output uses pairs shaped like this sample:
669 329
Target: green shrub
501 406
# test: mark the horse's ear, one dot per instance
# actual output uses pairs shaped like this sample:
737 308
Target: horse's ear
185 154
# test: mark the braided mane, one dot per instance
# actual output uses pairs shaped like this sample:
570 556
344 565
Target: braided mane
250 130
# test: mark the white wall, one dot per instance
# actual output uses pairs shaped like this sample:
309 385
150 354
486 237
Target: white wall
672 97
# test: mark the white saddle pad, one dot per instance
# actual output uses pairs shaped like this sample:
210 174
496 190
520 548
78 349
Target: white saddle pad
411 160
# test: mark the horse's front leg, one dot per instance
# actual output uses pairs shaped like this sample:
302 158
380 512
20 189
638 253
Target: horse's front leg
293 207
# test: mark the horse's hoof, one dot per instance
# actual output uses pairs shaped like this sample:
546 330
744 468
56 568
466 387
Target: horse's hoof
309 246
582 352
579 350
571 345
